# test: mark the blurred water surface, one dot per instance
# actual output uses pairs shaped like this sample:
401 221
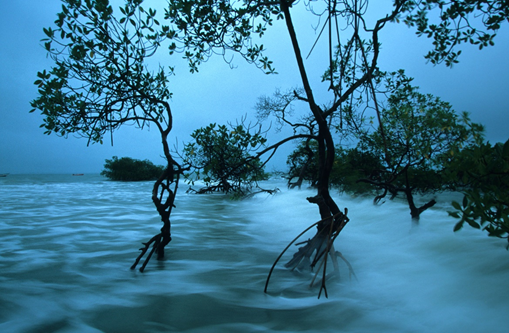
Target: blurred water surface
67 242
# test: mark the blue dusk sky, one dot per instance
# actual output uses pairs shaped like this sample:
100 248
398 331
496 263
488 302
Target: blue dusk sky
479 84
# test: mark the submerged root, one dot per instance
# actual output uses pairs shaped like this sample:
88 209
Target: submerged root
321 245
350 268
158 244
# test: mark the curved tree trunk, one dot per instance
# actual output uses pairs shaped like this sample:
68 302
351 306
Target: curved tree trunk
332 219
163 197
327 206
415 211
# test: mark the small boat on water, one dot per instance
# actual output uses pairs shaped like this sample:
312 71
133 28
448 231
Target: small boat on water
78 174
3 174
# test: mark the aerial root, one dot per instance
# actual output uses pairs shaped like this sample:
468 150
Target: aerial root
350 268
156 240
322 242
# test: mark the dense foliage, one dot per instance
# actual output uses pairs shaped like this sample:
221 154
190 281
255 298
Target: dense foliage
451 23
303 164
408 153
484 170
101 80
350 166
220 156
414 142
129 169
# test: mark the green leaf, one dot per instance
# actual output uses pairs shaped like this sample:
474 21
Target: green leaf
454 214
458 226
465 201
472 223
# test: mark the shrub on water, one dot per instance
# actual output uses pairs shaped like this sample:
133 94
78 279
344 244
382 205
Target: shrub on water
129 169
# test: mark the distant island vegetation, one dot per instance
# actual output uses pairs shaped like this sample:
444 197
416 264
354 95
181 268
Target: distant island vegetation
130 169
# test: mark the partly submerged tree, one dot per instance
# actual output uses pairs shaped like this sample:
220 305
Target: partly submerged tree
101 81
207 27
484 170
221 157
351 166
418 131
130 169
303 164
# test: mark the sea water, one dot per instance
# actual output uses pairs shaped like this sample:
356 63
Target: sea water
67 242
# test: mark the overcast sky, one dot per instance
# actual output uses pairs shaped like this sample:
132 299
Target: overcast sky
478 84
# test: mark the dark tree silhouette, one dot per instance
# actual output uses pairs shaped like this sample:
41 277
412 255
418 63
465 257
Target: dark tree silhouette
219 155
101 81
207 27
420 131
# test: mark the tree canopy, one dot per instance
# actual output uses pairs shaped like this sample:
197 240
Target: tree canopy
129 169
303 164
451 23
101 81
407 153
419 134
350 166
220 157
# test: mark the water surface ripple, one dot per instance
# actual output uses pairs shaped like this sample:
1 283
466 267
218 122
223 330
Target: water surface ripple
66 245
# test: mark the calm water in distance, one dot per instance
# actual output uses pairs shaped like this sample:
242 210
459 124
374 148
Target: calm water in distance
66 245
